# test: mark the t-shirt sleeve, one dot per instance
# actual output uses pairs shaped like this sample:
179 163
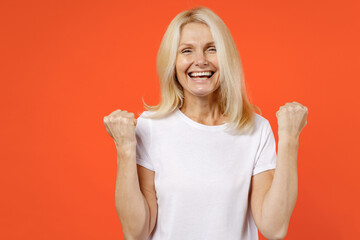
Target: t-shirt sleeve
143 142
266 153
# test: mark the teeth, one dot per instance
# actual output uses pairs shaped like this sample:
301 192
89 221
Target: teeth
201 74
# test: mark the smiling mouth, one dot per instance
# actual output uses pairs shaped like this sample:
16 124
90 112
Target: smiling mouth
201 78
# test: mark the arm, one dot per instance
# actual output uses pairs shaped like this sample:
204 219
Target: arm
274 192
131 205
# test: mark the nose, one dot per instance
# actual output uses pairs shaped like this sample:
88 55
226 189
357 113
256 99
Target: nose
200 59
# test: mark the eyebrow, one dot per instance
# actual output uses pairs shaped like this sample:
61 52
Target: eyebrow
189 44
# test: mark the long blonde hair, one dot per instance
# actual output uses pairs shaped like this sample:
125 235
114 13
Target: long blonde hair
233 100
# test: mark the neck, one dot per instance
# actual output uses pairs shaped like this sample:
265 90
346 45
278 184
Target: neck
204 110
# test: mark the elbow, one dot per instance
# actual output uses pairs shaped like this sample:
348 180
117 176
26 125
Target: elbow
279 236
275 235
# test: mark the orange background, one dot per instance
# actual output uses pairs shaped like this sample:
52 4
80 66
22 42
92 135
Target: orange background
67 64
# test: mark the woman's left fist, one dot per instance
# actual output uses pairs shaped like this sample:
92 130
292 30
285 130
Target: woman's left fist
291 119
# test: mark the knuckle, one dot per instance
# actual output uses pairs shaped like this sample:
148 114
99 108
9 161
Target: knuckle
124 120
112 119
114 112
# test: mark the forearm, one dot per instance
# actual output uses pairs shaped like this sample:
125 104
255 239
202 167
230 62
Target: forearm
130 203
280 200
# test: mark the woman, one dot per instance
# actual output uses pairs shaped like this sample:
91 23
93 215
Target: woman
202 164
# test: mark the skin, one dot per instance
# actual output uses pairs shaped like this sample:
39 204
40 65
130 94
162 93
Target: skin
197 52
273 193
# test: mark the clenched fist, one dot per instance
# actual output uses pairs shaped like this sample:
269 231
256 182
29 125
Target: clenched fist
121 127
291 119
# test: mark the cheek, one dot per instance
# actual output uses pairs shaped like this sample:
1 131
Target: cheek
183 64
215 62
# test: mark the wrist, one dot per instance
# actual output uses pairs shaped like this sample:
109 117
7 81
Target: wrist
288 140
125 154
126 149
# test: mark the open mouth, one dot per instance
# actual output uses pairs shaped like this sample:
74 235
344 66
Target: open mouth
202 76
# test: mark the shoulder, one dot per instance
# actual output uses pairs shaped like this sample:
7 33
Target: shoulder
260 119
143 122
144 117
261 122
145 114
157 116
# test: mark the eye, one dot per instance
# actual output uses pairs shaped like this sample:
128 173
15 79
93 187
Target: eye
185 51
212 49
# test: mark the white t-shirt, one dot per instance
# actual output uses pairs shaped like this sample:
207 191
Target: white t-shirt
203 175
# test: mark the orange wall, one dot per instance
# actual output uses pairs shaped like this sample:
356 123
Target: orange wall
66 65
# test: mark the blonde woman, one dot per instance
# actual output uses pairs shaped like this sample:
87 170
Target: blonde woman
202 164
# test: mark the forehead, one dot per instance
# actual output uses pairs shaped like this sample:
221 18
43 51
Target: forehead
199 32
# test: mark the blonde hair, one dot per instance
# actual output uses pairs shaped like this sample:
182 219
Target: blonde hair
233 100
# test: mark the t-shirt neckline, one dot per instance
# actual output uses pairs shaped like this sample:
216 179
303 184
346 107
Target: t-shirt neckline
199 125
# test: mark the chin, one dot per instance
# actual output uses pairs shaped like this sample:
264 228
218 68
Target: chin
203 92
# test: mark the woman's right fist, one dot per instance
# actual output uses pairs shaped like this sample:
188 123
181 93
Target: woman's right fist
121 127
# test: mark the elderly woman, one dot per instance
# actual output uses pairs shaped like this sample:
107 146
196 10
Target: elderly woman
202 164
